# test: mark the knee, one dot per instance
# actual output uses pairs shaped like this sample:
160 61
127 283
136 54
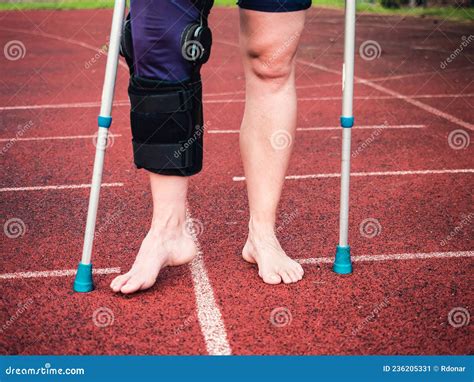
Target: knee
273 63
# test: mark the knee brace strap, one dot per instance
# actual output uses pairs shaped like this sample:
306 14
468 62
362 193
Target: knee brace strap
161 156
167 126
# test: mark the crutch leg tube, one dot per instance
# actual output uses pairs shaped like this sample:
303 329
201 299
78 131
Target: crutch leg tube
83 281
342 263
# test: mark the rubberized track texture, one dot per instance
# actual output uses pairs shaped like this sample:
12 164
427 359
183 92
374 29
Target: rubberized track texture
411 221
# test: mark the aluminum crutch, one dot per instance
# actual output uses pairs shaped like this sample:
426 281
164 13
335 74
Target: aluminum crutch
83 281
342 262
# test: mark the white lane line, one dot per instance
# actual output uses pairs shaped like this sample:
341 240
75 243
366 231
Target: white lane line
63 39
57 187
363 127
391 257
372 173
409 99
209 315
119 103
56 273
381 97
420 74
72 105
323 128
430 109
55 138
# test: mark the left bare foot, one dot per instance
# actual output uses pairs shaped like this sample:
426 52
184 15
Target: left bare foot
167 247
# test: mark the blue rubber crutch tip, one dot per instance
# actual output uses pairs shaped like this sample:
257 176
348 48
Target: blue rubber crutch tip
83 281
342 263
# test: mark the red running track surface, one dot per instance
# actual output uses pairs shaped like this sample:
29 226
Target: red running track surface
408 280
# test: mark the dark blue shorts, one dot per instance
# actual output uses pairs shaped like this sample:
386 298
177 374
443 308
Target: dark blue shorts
274 5
157 26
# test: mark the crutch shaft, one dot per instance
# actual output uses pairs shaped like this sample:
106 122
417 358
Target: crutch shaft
348 67
342 263
83 281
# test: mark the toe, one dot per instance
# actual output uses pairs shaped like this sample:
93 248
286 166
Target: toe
131 286
294 275
299 270
119 281
285 276
271 278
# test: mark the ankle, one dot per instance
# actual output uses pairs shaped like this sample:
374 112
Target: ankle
261 228
169 223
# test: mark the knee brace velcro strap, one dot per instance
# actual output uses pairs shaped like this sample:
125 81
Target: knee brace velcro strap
173 102
162 156
167 126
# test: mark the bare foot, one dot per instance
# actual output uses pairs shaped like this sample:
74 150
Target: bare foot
274 266
159 249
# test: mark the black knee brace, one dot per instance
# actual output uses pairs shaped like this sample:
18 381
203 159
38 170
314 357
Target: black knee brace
167 126
167 118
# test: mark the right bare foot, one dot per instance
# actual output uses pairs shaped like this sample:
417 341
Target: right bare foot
274 266
160 248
